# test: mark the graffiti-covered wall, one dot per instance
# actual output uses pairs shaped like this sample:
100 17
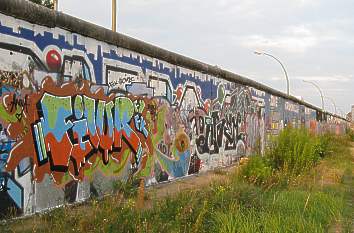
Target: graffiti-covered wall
78 112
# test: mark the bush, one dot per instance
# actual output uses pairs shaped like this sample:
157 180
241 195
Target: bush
296 150
256 170
289 154
350 134
128 188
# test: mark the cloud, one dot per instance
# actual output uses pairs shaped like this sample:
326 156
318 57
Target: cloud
289 44
296 39
324 78
305 3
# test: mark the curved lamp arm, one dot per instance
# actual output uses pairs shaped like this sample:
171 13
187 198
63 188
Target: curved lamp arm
282 66
319 89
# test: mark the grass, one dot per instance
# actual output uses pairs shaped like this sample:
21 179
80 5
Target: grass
128 188
350 134
280 192
283 211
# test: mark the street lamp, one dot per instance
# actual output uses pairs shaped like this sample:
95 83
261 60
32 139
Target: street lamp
114 15
282 66
319 89
334 104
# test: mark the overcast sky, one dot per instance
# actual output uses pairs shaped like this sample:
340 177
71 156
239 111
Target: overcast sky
313 38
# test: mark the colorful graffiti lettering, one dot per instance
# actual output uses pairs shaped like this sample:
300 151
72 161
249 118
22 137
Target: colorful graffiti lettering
77 113
68 130
223 128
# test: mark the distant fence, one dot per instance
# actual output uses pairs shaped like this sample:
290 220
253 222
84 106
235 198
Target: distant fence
82 107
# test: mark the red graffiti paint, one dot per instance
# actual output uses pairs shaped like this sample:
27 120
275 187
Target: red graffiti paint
65 136
53 60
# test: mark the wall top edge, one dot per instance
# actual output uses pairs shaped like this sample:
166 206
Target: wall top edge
24 10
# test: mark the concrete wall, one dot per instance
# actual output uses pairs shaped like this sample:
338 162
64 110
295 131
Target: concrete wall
81 107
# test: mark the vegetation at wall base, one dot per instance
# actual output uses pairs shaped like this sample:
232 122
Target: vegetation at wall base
311 192
291 153
350 134
129 188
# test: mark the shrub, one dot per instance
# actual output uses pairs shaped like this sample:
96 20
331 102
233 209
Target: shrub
256 170
289 154
128 188
350 134
296 150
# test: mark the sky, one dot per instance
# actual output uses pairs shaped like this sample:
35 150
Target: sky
314 39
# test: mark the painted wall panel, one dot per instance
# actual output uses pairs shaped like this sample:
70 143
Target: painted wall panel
77 114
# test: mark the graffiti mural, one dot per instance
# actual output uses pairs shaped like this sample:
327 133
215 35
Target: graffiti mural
66 131
77 113
11 191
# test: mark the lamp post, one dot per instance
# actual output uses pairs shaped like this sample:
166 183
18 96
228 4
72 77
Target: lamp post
319 89
334 104
114 15
282 66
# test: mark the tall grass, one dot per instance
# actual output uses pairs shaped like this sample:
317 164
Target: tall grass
350 134
291 153
296 150
286 211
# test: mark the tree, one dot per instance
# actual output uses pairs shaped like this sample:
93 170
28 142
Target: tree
46 3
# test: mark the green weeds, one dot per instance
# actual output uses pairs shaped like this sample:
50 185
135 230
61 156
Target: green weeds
128 188
350 134
296 150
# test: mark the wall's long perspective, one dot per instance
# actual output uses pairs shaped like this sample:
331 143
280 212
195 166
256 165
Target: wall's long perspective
81 107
